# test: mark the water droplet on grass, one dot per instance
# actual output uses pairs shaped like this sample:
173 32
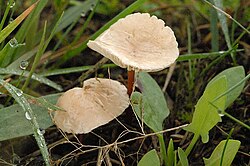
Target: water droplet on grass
27 116
221 115
11 5
92 6
39 132
19 93
11 20
24 65
83 14
14 43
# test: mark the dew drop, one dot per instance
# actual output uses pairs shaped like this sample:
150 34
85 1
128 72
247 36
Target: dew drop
11 5
24 65
27 116
13 43
92 7
11 20
221 115
19 93
39 132
83 14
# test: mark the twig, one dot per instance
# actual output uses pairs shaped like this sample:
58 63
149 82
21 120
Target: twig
169 75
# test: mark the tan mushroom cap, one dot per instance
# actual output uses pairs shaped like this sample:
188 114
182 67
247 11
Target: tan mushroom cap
97 103
138 42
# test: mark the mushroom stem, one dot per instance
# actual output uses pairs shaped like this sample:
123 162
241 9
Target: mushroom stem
131 80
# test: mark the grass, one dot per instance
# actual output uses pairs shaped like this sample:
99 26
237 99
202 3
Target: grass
51 39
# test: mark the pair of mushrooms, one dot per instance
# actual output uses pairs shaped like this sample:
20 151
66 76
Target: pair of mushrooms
138 42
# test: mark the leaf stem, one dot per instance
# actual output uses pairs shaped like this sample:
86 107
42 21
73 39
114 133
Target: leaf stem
191 145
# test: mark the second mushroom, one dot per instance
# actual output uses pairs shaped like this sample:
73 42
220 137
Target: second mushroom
98 102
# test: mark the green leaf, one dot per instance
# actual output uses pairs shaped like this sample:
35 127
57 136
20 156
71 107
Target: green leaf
150 158
14 124
206 113
232 147
170 153
150 105
233 76
183 157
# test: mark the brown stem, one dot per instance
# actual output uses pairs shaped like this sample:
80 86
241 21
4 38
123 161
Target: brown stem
131 81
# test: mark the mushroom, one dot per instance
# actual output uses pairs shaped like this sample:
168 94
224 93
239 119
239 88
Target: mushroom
138 42
97 103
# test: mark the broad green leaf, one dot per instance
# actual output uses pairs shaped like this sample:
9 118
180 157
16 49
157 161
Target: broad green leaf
170 153
13 122
233 76
36 77
150 159
232 147
206 113
183 157
150 105
7 30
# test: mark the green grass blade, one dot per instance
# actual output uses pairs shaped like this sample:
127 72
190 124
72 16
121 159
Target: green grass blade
227 15
237 121
214 29
34 76
86 22
73 70
187 57
223 23
43 45
7 30
74 13
25 57
22 33
225 146
6 13
37 58
30 116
